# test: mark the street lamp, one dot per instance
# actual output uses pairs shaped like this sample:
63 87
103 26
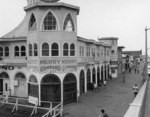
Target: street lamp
146 29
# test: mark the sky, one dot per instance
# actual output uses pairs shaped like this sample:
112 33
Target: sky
125 19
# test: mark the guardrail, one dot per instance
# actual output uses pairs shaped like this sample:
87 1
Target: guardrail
136 108
21 102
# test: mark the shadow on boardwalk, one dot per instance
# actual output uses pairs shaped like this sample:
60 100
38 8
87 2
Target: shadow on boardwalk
114 98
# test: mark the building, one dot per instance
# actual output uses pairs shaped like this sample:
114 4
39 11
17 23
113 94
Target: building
121 63
113 41
44 59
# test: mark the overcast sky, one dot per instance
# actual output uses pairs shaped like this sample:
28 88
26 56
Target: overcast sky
125 19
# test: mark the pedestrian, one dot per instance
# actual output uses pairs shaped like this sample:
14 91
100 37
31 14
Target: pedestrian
103 113
135 89
124 77
95 87
135 69
105 82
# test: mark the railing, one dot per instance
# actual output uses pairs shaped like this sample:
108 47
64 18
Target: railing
136 108
20 102
57 110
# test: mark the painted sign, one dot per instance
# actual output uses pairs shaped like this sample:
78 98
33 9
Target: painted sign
4 67
33 100
55 65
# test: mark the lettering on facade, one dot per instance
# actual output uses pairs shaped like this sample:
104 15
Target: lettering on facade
3 67
58 61
53 68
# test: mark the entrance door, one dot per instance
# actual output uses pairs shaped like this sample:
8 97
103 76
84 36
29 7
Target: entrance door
6 85
1 86
70 89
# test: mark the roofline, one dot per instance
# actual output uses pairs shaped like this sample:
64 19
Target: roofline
91 41
108 38
14 39
53 4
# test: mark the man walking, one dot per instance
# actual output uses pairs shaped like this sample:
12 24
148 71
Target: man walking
135 89
103 113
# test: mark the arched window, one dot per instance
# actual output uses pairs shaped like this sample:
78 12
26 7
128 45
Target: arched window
32 23
23 51
68 24
49 22
1 52
65 49
16 51
72 50
30 49
55 49
6 51
35 50
45 49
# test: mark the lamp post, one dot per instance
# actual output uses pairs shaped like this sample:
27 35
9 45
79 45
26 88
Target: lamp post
146 29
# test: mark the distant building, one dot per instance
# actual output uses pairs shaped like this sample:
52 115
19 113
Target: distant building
113 41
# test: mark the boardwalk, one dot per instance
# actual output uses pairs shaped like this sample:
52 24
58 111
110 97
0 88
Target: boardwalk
115 98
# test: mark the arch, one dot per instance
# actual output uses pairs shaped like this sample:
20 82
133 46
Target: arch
1 51
88 79
102 74
82 82
32 23
54 49
20 87
72 49
69 23
45 49
4 82
16 51
35 49
50 88
49 22
98 75
94 75
3 75
20 76
70 88
23 51
33 87
65 49
30 49
105 70
6 51
33 79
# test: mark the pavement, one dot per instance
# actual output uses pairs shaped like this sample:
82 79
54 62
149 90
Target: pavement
115 98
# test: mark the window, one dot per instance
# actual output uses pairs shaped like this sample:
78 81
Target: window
65 49
45 49
23 51
6 51
55 49
16 51
93 52
30 49
1 52
80 50
68 24
32 23
49 22
35 50
72 50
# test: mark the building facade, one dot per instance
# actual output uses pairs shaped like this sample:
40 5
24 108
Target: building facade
44 59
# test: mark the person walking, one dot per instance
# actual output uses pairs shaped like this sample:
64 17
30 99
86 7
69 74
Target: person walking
103 113
135 89
124 77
